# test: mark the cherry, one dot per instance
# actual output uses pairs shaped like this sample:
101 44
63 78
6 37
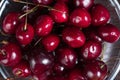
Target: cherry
50 42
24 36
41 61
76 74
22 69
43 2
92 34
59 12
83 3
100 15
67 57
91 50
59 69
12 54
73 37
58 78
95 70
80 18
10 22
109 33
66 1
43 25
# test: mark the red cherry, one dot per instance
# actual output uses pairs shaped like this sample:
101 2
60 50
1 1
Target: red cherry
66 1
80 18
43 2
73 37
67 57
95 70
109 33
60 12
24 36
91 50
76 74
12 54
50 42
100 15
57 78
10 22
22 69
83 3
41 61
43 25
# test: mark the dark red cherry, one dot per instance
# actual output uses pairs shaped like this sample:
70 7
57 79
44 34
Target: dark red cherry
43 25
22 69
80 18
43 2
73 37
83 3
12 54
67 57
99 14
41 61
41 76
109 33
24 36
50 42
91 50
59 69
76 74
60 12
66 1
92 34
96 70
10 22
57 78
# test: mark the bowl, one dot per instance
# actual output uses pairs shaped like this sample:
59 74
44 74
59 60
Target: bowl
111 52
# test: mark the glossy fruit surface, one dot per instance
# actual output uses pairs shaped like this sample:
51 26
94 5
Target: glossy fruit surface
76 74
100 15
84 3
91 50
10 23
24 36
109 33
60 12
43 25
41 61
80 18
43 2
67 57
73 37
12 54
50 42
22 69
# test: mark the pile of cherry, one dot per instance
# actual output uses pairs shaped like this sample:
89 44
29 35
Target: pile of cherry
57 40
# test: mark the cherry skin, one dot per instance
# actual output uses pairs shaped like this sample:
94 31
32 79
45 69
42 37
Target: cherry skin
59 69
43 25
12 54
95 70
76 74
80 18
92 34
57 78
43 2
50 42
91 50
64 57
73 37
60 12
109 33
100 15
10 22
23 36
66 1
22 69
41 61
83 3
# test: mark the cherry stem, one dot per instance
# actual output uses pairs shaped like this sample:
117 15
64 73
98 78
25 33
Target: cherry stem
2 33
18 72
50 8
29 11
37 41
